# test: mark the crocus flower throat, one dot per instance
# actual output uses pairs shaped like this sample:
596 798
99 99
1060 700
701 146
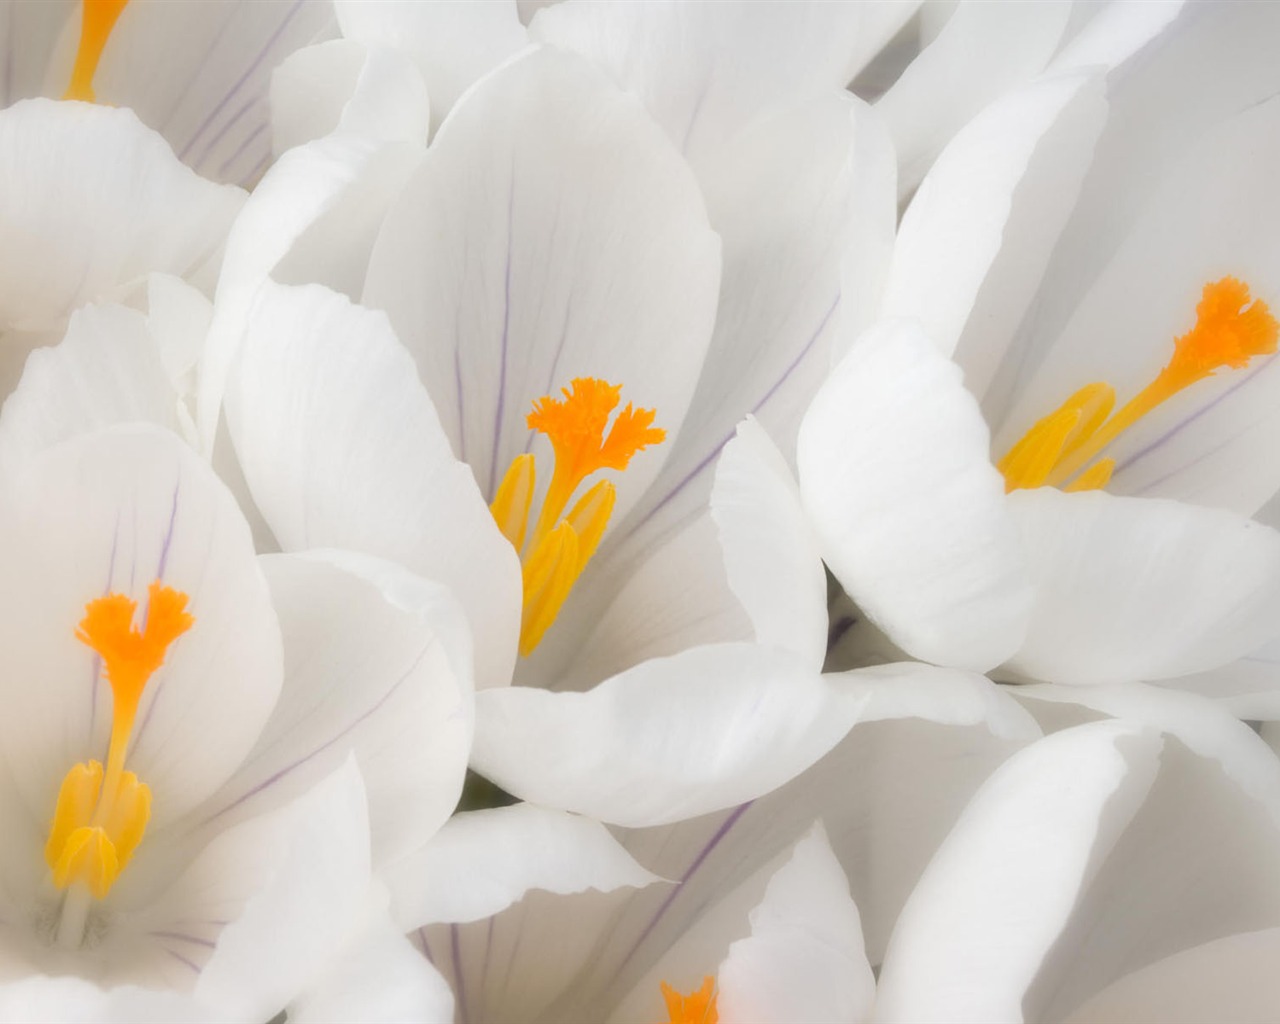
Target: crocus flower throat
101 815
561 545
97 19
1230 330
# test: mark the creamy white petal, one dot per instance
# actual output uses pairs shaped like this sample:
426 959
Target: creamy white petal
1130 588
1248 687
28 34
952 233
362 676
996 896
310 863
1231 980
39 999
982 52
1116 33
178 317
343 86
668 739
482 862
114 511
804 959
198 73
63 244
342 448
509 267
908 509
453 42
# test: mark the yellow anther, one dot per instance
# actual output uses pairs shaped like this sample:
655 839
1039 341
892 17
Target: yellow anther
698 1007
562 543
97 19
101 816
1230 330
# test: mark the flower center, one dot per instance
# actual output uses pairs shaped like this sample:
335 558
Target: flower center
697 1007
101 815
561 544
97 19
1230 329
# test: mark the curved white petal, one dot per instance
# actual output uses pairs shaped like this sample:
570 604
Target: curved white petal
63 244
804 959
482 862
997 894
1232 980
771 555
198 73
509 267
953 232
668 739
453 42
310 866
1116 33
342 448
39 999
344 86
910 513
362 676
114 511
28 34
1249 687
1130 588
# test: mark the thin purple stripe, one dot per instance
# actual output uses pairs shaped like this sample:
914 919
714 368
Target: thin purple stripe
182 937
178 956
248 141
222 132
506 331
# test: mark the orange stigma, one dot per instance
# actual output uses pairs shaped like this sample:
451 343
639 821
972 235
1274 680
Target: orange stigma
97 19
1231 328
697 1007
562 544
101 815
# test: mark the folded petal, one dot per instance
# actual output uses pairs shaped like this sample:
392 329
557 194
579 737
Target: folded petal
342 448
509 267
1130 588
39 999
909 511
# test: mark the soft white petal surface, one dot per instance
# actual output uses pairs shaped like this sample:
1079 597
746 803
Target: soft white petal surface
40 999
910 514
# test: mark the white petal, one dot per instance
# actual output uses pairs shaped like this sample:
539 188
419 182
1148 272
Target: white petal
28 34
343 86
953 231
910 513
453 42
198 73
806 251
982 52
380 980
993 901
178 317
112 512
311 866
342 448
1231 980
367 677
672 55
668 739
1130 588
1249 687
804 959
39 999
481 862
1116 33
63 243
771 554
108 370
509 267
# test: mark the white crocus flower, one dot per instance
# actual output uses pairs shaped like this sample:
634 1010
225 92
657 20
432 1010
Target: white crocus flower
1004 261
182 801
196 72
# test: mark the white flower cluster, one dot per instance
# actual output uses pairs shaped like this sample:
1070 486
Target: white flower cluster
702 511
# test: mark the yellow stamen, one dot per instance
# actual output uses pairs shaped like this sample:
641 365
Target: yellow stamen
100 815
697 1007
561 544
97 19
1230 330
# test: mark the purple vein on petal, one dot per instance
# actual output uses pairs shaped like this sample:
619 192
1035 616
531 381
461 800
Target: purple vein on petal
97 658
346 729
168 537
183 937
245 144
232 121
182 959
725 827
506 331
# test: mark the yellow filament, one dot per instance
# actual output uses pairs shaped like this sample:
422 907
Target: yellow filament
101 815
698 1007
97 19
562 543
1230 329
